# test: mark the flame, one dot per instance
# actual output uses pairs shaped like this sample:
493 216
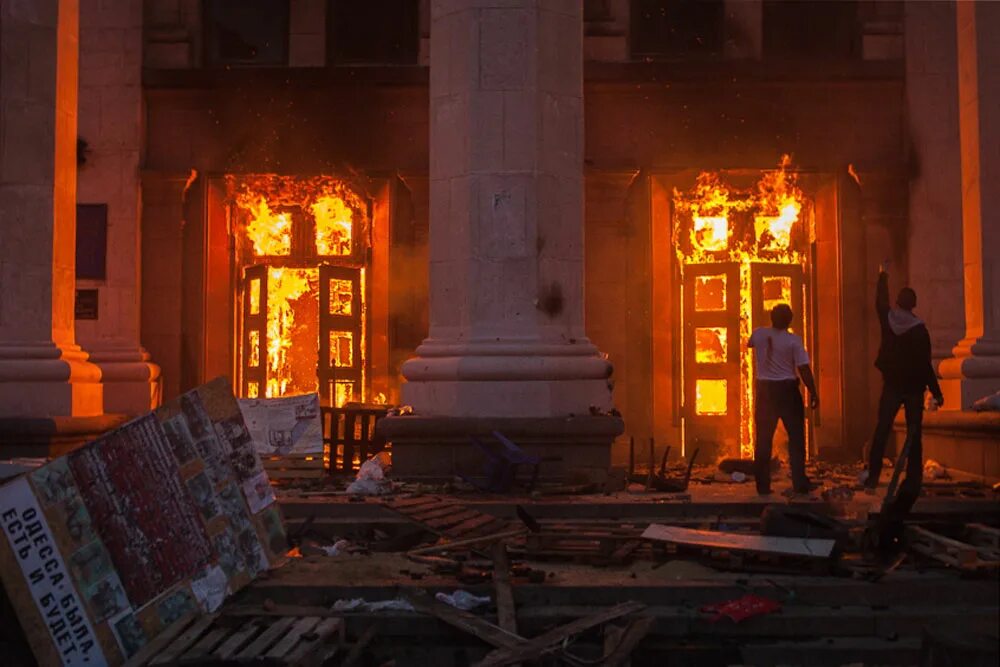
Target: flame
284 288
270 233
305 222
761 225
334 225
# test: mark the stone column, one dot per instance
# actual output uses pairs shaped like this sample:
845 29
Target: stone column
111 124
506 338
43 373
974 370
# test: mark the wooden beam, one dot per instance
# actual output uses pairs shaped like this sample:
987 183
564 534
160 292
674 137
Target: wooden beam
506 611
550 641
468 542
627 641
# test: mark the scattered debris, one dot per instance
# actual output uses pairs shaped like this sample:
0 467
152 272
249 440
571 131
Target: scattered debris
372 478
934 470
359 604
463 600
742 608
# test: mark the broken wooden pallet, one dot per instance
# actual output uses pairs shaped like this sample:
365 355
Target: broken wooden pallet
446 517
283 640
953 553
283 469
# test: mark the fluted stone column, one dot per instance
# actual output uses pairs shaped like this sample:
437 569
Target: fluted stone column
507 337
111 123
974 370
43 373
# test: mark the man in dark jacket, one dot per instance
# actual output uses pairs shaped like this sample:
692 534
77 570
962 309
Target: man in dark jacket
904 357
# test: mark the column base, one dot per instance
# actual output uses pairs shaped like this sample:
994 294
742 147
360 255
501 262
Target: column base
436 448
974 372
131 383
45 380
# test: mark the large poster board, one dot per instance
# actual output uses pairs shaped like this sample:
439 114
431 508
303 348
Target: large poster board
286 425
108 545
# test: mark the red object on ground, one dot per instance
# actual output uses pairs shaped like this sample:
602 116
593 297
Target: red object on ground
742 608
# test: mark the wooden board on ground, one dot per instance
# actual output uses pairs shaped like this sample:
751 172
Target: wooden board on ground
787 546
953 553
287 640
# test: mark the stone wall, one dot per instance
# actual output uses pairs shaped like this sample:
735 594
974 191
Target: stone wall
634 128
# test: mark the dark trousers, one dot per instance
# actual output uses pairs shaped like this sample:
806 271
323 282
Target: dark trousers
912 401
779 400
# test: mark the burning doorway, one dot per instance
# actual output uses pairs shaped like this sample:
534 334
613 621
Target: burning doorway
744 243
301 259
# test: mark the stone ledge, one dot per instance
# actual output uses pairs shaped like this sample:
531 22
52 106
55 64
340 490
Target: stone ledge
438 447
52 436
962 440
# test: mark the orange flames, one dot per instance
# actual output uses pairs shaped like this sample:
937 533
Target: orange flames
716 224
293 225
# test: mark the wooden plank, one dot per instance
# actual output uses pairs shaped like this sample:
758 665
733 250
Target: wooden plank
208 642
187 638
466 622
472 524
470 542
279 610
627 641
710 539
267 638
415 501
506 611
312 643
435 512
983 535
288 642
161 640
237 640
453 520
944 549
359 646
532 649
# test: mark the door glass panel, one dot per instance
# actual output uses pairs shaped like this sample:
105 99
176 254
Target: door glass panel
710 293
341 349
341 297
775 290
711 233
711 397
710 345
255 297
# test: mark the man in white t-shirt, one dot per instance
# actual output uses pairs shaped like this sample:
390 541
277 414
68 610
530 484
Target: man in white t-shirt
780 359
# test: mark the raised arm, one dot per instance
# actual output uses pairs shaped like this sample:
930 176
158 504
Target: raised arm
882 294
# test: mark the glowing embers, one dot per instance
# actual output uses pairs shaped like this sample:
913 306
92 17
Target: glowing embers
334 226
292 324
341 297
710 345
775 290
342 349
269 232
253 390
711 397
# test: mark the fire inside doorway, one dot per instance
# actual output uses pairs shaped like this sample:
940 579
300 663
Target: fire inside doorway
744 244
301 254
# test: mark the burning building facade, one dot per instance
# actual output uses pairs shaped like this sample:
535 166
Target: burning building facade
268 190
